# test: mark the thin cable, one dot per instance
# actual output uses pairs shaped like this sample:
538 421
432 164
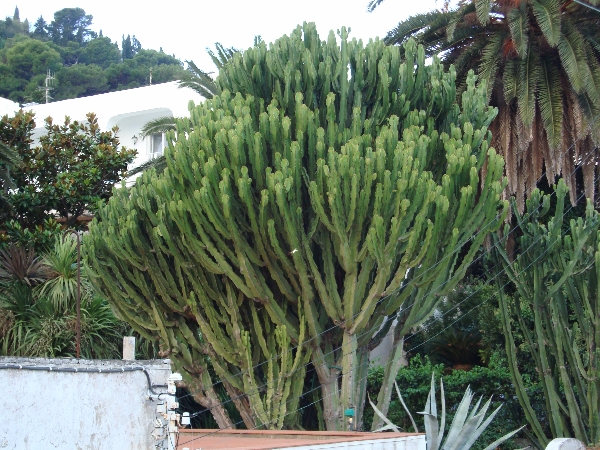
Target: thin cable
401 342
395 316
406 340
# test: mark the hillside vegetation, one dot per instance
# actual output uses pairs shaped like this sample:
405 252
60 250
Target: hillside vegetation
82 61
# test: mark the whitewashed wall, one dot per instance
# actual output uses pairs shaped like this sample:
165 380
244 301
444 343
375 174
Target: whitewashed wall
57 410
129 110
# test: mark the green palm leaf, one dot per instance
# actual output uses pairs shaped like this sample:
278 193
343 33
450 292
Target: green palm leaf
159 164
571 51
159 125
490 59
518 24
547 14
529 74
483 8
550 102
510 80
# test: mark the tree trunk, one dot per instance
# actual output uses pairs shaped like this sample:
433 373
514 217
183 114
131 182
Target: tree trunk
389 376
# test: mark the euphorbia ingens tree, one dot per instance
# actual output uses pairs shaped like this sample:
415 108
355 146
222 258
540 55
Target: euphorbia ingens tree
327 189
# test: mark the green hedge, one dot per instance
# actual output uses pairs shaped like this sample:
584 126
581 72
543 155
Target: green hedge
414 383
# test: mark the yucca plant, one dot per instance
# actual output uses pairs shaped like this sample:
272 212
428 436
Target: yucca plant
466 426
61 262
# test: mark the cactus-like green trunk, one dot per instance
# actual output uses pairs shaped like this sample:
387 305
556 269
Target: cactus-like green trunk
326 188
556 308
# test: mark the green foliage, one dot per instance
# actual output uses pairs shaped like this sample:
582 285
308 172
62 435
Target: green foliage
70 25
28 57
540 60
80 80
455 333
101 52
38 310
84 63
328 183
467 424
493 381
40 237
554 309
74 167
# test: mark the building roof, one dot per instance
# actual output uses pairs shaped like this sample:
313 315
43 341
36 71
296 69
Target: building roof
270 440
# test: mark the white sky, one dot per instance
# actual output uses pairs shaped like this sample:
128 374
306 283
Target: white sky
185 28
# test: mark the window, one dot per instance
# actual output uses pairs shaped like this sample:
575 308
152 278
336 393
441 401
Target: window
156 144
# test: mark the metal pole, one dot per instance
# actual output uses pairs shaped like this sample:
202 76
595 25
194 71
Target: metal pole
78 342
78 325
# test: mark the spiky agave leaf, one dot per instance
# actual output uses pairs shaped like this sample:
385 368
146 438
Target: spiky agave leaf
412 420
389 424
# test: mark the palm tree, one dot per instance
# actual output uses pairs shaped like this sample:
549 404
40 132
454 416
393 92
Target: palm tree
540 62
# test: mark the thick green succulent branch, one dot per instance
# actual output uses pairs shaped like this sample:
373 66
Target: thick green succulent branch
328 188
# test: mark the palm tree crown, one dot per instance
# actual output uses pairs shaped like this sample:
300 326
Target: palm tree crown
540 61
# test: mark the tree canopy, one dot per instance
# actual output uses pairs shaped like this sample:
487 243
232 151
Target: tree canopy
541 62
74 167
83 62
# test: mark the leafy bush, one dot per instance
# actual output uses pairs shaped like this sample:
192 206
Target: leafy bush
414 382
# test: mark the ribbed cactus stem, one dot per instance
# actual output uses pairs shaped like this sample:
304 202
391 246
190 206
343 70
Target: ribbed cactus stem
555 305
327 184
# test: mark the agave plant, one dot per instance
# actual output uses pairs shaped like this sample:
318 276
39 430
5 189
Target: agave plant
466 426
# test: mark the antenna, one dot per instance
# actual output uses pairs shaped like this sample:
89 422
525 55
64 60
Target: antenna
47 86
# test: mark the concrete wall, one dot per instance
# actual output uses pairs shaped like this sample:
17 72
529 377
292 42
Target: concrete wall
44 409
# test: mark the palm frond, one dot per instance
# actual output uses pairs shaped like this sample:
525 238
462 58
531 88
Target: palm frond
159 164
199 81
221 55
529 73
413 25
571 52
483 8
158 125
547 14
550 102
518 23
373 4
510 80
490 59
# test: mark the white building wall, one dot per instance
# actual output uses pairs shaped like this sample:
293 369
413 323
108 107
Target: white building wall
44 409
129 110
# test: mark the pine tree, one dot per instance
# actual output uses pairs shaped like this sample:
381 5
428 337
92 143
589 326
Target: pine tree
127 49
40 28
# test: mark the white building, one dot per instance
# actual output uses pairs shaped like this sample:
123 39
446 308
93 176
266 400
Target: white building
129 110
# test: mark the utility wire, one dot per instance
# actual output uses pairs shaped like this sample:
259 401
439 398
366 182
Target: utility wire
395 316
401 342
391 332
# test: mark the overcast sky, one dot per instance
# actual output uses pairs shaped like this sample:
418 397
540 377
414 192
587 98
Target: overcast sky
186 28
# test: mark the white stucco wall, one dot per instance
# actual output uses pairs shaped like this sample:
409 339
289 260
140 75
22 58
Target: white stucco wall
129 110
57 410
7 106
